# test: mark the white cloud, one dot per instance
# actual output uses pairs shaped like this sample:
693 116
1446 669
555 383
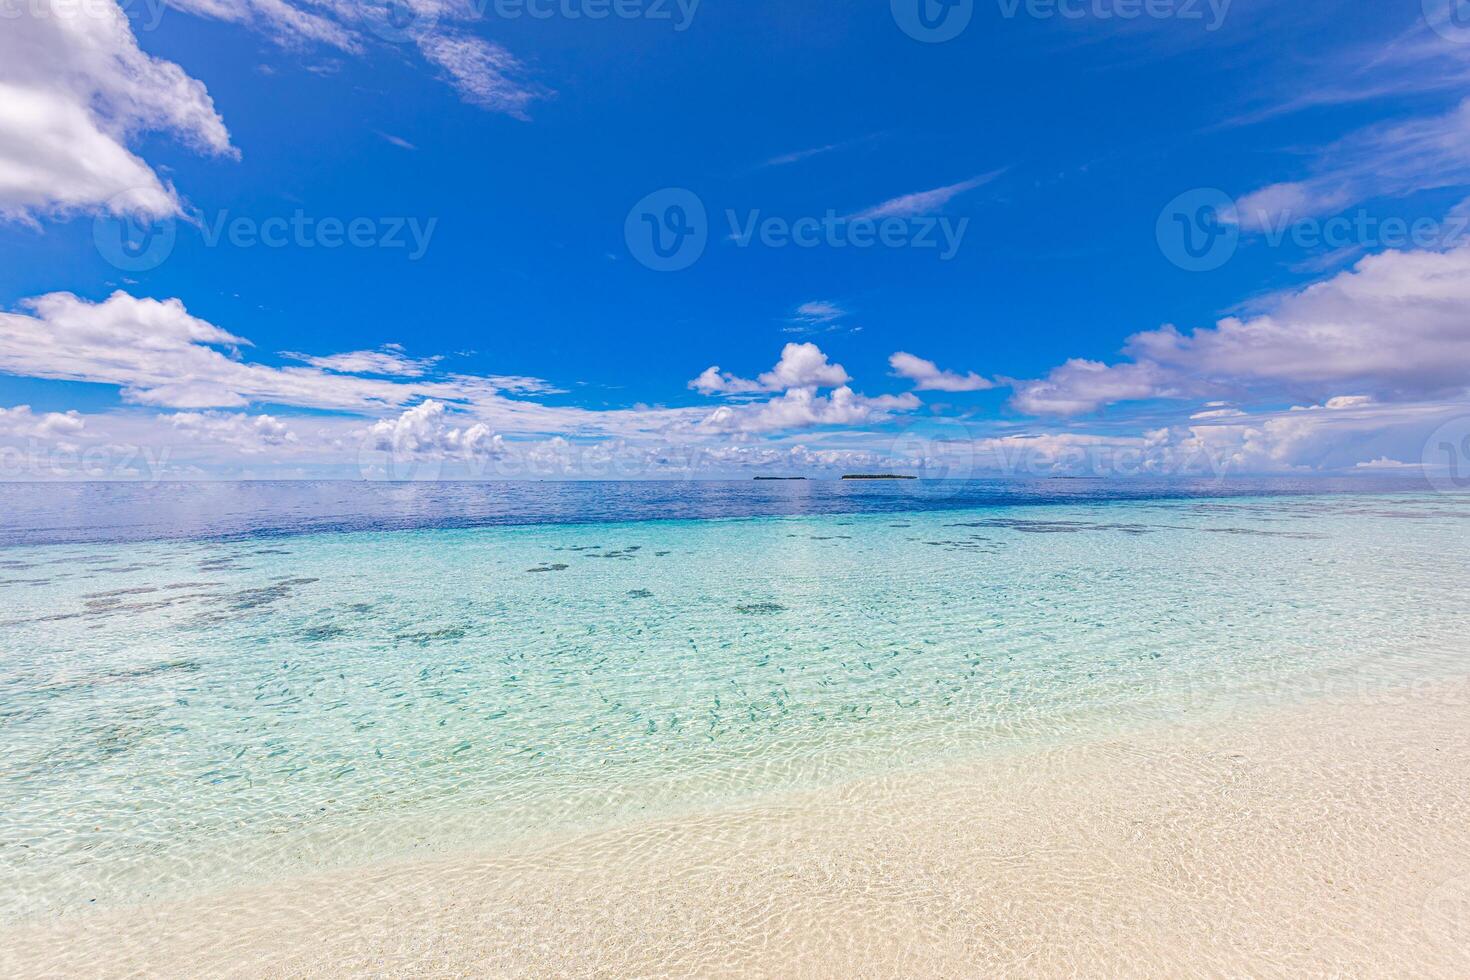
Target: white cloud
160 355
927 376
21 421
386 361
75 90
250 435
819 311
484 73
712 381
924 202
1395 159
800 366
428 429
1393 327
803 408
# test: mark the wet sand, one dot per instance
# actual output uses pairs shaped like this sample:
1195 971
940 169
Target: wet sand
1326 838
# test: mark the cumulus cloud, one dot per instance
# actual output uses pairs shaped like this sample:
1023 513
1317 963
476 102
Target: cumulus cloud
428 429
803 407
246 433
800 366
1393 327
927 376
75 91
21 421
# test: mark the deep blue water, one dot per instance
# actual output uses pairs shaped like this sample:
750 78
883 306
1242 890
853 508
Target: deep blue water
75 513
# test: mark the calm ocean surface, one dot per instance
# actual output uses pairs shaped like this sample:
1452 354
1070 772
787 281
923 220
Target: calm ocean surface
209 684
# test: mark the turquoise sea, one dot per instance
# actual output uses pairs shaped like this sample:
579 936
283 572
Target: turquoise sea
221 685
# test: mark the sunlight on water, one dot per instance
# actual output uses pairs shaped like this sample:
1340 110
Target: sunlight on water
182 714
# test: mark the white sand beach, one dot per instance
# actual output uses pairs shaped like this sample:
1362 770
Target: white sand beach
1326 839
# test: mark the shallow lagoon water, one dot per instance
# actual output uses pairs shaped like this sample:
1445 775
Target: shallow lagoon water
183 714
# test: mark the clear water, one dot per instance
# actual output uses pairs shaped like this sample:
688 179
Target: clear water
180 713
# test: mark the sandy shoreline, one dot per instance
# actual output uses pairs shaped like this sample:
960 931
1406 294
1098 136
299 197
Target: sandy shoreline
1327 838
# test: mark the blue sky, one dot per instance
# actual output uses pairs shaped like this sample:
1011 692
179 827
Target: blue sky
1032 175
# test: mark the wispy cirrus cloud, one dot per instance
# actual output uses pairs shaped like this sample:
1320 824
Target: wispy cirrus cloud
483 72
786 159
1387 160
925 202
389 360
